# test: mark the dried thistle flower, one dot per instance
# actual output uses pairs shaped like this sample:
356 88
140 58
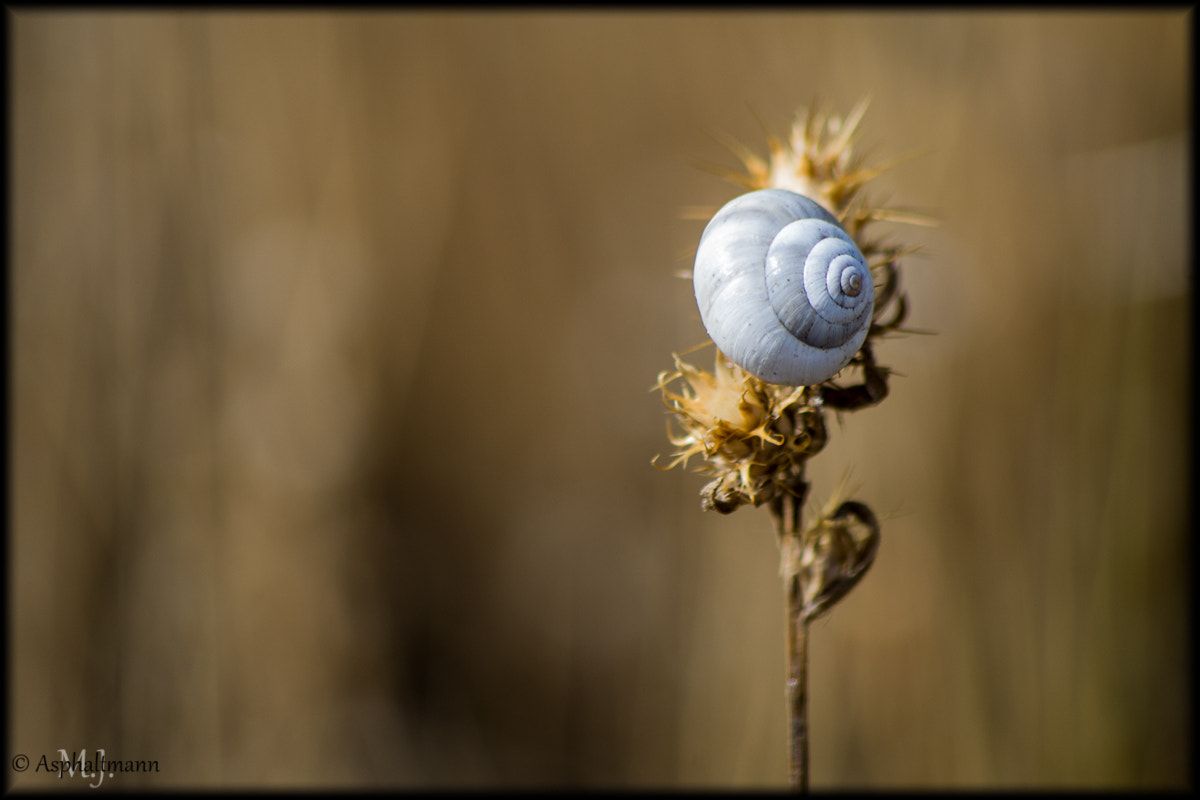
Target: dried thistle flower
755 437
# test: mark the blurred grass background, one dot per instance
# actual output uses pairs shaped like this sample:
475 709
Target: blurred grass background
332 341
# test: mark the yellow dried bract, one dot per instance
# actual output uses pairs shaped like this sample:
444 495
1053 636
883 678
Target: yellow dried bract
754 436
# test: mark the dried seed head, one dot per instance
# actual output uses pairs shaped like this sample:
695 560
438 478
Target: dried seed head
753 436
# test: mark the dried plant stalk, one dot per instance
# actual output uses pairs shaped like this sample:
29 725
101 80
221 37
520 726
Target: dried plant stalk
755 438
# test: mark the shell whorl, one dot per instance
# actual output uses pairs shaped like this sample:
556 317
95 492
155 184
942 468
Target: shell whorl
783 290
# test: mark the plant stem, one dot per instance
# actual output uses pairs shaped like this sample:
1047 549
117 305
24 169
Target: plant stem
791 540
798 697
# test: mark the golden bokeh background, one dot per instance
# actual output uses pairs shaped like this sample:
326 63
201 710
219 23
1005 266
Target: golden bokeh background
332 346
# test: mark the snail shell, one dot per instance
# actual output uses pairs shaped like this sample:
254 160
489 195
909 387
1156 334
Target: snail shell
783 290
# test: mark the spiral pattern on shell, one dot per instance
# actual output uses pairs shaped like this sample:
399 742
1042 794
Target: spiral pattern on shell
783 290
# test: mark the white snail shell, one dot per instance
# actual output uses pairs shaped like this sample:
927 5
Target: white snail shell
783 290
